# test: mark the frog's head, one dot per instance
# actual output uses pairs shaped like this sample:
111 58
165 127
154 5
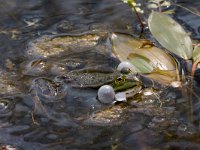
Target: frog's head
125 81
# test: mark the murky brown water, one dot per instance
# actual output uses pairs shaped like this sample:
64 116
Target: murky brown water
73 118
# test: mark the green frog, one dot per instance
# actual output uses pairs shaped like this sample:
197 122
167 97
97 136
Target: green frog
89 78
127 84
130 84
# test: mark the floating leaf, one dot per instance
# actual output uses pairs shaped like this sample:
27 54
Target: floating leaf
146 58
141 64
196 54
170 34
124 45
164 77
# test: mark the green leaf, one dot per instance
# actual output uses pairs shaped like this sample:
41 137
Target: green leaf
124 45
170 34
145 57
140 63
196 54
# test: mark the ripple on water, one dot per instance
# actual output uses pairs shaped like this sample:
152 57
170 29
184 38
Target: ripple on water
104 129
6 106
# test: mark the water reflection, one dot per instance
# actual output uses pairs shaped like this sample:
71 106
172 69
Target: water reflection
74 119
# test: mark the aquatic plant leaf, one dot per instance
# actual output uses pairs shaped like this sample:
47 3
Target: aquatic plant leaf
124 45
141 64
170 34
145 57
196 54
164 77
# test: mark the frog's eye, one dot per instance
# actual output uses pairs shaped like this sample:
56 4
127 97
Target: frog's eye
119 79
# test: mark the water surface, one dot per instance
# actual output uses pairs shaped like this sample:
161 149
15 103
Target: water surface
68 127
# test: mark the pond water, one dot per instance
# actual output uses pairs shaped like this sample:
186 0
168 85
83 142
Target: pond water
65 116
